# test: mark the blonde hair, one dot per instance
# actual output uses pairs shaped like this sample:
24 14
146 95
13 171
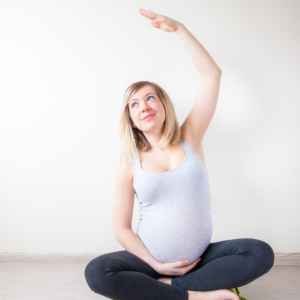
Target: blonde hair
133 139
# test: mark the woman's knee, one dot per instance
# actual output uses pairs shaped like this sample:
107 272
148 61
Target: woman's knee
96 272
263 254
102 268
268 255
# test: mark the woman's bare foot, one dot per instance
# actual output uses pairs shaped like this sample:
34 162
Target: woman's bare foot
213 295
209 295
165 280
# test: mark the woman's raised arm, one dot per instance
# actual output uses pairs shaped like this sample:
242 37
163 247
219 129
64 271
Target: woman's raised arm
205 104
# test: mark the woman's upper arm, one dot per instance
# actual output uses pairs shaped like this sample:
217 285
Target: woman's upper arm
203 110
124 198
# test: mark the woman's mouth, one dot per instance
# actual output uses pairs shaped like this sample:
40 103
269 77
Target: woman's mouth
149 117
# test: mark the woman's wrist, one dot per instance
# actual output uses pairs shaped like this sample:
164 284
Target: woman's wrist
156 266
179 28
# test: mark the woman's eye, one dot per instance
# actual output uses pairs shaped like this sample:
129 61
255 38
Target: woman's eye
147 99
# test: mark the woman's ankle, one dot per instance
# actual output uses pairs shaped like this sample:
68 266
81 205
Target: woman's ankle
193 295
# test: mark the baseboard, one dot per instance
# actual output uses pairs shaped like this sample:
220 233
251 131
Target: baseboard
287 258
283 258
48 258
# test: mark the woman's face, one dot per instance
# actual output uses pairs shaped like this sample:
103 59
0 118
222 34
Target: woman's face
143 103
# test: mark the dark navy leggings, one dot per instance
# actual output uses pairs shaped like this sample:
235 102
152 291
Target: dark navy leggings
226 264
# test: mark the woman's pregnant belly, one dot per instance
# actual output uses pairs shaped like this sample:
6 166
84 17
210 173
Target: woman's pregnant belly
176 237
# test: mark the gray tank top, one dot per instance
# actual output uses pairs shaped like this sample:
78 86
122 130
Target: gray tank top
175 220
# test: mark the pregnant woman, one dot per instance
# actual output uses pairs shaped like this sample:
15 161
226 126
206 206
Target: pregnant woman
170 257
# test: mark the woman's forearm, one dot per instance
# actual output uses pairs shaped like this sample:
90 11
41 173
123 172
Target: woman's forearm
132 243
204 63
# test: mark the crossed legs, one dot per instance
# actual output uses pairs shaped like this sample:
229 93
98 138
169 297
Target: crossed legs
225 264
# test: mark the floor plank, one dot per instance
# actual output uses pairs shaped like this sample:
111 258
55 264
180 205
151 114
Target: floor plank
37 281
281 282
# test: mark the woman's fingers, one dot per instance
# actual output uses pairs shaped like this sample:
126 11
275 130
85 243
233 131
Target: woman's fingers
180 263
148 14
154 24
160 21
183 263
184 269
145 13
194 263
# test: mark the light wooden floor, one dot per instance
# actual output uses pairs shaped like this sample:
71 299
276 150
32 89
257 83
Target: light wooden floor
38 281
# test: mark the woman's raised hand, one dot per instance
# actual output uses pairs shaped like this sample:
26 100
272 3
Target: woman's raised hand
159 21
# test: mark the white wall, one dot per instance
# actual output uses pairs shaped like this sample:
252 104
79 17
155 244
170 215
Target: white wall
64 67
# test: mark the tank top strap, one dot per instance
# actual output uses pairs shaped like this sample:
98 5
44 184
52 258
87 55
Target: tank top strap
136 162
186 146
191 152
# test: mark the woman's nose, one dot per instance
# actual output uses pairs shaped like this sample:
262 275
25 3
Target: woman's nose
145 106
